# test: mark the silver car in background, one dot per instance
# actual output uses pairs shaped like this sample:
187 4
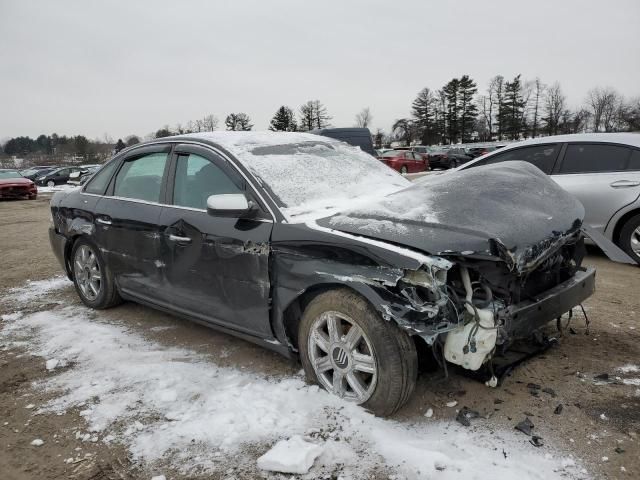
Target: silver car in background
601 169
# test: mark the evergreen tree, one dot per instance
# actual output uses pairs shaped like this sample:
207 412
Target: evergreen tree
163 132
238 121
120 145
512 109
424 114
468 110
498 86
132 140
284 120
451 91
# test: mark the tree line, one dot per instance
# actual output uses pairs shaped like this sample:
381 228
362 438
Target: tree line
508 109
311 115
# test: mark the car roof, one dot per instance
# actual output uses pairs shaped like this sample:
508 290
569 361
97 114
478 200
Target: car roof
238 143
632 139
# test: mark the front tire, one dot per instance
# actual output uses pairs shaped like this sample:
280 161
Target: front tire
347 348
403 170
91 276
51 183
629 239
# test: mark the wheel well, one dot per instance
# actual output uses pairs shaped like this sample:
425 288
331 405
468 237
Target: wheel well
293 313
621 222
67 254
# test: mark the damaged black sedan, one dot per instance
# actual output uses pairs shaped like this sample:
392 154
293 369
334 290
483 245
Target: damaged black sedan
313 248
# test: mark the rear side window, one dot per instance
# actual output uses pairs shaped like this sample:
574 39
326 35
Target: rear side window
141 178
542 156
589 158
634 162
98 184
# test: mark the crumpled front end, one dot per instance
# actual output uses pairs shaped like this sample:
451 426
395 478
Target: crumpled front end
478 304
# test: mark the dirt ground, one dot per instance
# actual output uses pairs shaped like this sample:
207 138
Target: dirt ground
562 375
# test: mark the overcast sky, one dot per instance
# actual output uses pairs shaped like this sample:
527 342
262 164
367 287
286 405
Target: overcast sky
131 67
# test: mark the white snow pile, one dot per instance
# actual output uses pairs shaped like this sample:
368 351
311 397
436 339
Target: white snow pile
172 405
57 188
37 289
290 456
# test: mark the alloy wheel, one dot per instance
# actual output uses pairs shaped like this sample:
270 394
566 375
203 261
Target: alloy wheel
51 183
635 241
342 357
87 272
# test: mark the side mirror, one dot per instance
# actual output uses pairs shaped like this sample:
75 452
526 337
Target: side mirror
229 205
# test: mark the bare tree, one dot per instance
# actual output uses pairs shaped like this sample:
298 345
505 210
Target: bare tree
209 123
363 119
313 114
489 104
604 102
554 107
538 93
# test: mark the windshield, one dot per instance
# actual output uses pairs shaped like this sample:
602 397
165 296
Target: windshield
390 154
317 178
4 174
31 171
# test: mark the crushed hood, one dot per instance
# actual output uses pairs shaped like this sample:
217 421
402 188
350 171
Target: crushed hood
509 210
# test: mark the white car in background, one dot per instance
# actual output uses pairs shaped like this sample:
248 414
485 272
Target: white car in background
602 170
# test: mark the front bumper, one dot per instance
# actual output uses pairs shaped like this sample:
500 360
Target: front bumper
58 245
521 320
17 192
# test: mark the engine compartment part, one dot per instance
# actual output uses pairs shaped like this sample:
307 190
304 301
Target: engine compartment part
471 344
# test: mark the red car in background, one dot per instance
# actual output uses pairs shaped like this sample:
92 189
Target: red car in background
405 161
14 185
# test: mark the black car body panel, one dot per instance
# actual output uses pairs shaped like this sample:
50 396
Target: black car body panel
489 222
254 276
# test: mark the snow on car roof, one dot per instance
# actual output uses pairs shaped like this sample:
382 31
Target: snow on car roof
311 176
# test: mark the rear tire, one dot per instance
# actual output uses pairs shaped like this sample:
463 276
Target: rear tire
629 239
91 276
383 360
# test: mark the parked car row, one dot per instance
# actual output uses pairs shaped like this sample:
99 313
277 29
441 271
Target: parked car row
443 157
51 176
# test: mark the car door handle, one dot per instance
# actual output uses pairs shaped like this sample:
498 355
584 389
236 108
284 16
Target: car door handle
624 184
178 239
103 221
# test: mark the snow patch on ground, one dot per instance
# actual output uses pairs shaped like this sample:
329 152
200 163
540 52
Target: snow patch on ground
36 289
629 368
173 405
57 188
290 456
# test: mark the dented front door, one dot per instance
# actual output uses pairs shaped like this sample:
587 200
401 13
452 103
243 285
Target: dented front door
217 269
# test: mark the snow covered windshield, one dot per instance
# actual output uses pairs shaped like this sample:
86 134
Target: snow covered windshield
310 179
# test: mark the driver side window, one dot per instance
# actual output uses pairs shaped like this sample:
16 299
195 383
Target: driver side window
197 179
